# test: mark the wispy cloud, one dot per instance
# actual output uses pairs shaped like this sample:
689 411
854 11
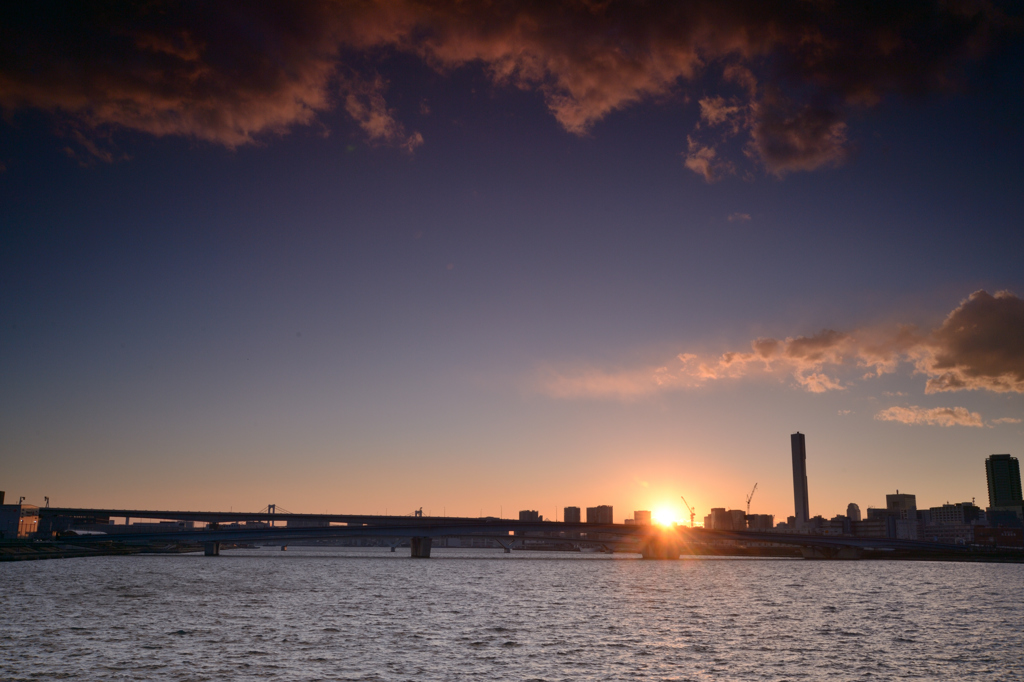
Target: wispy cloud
1006 420
231 73
364 102
933 416
738 217
979 346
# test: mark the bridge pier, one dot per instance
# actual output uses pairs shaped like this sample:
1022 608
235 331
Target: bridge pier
832 553
211 548
420 547
661 548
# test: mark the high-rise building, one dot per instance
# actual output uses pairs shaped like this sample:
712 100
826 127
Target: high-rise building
1003 473
853 512
571 515
903 508
600 514
902 505
642 518
803 512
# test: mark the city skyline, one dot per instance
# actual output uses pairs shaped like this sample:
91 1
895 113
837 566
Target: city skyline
511 256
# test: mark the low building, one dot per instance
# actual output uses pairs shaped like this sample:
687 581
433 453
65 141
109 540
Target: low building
999 537
641 518
874 528
571 515
530 515
18 520
908 529
722 519
840 525
960 514
762 522
949 533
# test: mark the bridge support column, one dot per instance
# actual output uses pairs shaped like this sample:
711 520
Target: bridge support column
420 547
661 548
211 548
831 552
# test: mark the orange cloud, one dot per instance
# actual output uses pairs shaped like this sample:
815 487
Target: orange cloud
980 346
935 416
364 102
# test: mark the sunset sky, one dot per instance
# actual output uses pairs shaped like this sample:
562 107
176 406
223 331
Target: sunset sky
483 257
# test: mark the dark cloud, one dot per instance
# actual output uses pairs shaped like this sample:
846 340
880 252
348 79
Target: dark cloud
980 346
221 72
229 72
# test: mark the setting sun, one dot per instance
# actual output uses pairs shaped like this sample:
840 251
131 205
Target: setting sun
663 517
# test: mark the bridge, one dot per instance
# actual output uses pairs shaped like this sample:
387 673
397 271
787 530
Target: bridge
652 542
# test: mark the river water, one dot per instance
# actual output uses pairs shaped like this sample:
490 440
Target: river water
368 614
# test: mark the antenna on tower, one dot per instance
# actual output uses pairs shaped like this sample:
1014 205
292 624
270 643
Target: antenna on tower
750 497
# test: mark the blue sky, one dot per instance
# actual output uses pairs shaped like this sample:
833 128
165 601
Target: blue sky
464 301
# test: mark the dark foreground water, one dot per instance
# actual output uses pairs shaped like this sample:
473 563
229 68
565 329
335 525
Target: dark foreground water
371 615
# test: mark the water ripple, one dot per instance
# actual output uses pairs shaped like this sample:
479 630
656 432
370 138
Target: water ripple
375 615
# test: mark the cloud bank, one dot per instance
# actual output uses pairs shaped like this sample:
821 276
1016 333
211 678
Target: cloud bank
979 346
935 416
781 77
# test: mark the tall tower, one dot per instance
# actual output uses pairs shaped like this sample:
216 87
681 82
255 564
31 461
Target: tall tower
800 479
1003 473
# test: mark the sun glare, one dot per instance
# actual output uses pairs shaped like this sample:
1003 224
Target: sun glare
663 517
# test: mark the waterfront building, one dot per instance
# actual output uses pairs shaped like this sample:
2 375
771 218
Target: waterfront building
999 537
1003 474
800 501
530 515
959 514
600 514
641 518
953 533
760 522
840 525
571 515
853 512
873 527
18 520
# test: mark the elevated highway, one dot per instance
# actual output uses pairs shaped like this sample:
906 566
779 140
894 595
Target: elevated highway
650 541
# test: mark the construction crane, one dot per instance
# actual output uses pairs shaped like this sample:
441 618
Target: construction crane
750 497
690 509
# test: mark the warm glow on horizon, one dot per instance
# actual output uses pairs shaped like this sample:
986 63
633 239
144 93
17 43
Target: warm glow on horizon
664 517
